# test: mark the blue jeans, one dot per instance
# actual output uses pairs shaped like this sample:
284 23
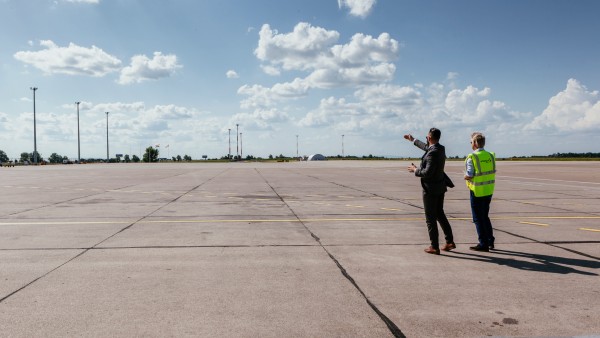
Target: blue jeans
480 208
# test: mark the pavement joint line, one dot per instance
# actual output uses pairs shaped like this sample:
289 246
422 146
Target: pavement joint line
590 229
267 246
394 329
548 243
42 276
102 241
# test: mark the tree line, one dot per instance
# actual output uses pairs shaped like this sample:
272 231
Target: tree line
150 155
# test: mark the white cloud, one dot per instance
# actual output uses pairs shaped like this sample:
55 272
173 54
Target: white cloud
259 96
575 109
299 49
232 74
143 69
134 123
270 70
390 100
260 119
71 60
332 78
380 109
360 8
364 60
326 114
364 49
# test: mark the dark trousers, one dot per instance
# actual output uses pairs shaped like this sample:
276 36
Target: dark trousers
480 208
434 213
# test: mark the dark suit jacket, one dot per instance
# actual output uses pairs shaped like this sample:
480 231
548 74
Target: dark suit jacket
431 170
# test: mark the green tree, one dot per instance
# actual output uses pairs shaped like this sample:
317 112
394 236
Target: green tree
3 156
135 159
187 158
178 158
39 157
151 155
127 159
55 158
29 157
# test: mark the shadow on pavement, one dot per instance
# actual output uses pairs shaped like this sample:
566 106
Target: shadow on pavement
532 262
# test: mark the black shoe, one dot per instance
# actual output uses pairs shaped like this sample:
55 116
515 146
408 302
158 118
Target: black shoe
479 248
492 246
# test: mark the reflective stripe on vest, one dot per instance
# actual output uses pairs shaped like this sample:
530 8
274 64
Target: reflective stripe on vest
484 179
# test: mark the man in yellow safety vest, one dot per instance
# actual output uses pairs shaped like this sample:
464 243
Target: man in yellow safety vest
480 176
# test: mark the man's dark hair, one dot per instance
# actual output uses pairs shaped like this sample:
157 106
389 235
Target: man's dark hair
435 134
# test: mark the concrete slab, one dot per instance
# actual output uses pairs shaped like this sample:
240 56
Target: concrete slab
513 292
21 267
164 233
293 249
56 234
203 292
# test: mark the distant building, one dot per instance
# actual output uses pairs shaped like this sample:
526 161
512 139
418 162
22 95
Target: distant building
317 157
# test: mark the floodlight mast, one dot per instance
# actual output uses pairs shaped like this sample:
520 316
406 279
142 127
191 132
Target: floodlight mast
78 139
35 154
237 140
107 157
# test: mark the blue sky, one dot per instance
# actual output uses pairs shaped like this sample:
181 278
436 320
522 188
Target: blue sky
180 74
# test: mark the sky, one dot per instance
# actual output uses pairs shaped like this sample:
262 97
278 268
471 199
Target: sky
335 77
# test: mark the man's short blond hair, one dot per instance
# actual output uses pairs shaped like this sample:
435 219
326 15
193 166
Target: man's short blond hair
478 139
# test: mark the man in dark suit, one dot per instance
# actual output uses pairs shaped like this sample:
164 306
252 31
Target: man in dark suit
434 182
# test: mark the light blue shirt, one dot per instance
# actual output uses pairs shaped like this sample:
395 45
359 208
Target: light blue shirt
470 170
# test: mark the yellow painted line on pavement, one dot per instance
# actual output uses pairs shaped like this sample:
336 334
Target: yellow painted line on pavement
380 219
533 223
588 229
218 221
543 217
66 223
284 220
389 209
355 206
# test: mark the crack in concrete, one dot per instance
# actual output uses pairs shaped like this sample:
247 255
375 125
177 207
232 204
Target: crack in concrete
394 329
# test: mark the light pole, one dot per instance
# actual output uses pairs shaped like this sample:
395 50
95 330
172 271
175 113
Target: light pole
35 154
78 140
297 147
237 141
342 145
241 151
229 153
107 157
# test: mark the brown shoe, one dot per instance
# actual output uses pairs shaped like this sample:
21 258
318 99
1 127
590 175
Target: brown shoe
449 246
432 251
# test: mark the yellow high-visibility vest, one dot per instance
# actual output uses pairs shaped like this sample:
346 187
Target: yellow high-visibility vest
484 179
